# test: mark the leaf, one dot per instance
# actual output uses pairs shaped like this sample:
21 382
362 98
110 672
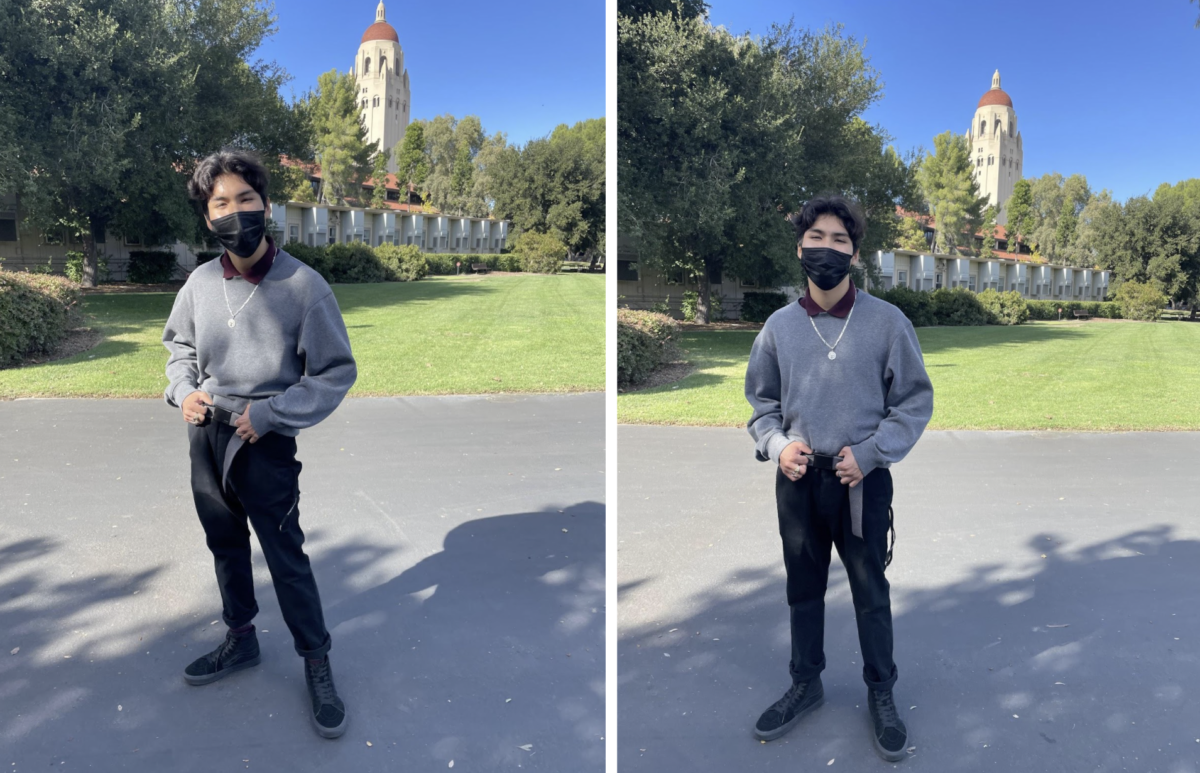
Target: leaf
827 764
15 650
527 747
369 743
1059 625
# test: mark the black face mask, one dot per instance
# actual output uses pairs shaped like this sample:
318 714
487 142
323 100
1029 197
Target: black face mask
241 232
825 266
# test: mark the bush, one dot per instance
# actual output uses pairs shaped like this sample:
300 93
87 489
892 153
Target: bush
645 341
914 304
957 307
540 253
147 267
662 307
1007 308
313 257
1143 302
403 264
691 299
757 306
355 263
35 314
204 256
74 269
1048 310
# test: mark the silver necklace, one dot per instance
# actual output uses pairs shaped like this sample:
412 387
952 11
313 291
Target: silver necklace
832 354
233 314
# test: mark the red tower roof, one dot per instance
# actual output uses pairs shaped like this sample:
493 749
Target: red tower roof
381 30
994 97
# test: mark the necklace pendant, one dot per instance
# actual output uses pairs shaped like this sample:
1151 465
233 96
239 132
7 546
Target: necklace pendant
832 355
232 323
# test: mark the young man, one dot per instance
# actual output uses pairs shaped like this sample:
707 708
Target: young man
258 352
839 393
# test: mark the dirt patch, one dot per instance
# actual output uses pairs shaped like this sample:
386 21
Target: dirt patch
78 340
667 374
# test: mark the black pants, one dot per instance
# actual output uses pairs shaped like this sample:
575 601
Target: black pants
263 487
814 513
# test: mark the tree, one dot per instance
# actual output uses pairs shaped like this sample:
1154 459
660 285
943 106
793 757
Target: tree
720 136
687 9
987 251
1020 213
379 175
105 106
339 137
411 161
949 188
910 235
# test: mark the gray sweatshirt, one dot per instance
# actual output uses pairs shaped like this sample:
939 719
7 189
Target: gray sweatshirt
875 397
287 357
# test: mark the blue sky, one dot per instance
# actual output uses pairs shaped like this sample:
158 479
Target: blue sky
523 67
1105 88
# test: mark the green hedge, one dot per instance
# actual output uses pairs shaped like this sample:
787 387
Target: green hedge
36 311
404 264
149 267
757 306
645 340
442 263
916 305
1007 308
1048 310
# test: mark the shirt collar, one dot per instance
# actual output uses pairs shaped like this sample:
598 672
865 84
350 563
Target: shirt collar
256 272
840 309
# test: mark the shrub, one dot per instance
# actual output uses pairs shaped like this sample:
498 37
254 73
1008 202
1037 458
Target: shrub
151 266
204 256
957 307
42 270
1048 310
716 306
914 304
691 299
1007 308
645 341
74 268
540 253
313 257
757 306
35 313
1141 301
355 263
403 264
662 307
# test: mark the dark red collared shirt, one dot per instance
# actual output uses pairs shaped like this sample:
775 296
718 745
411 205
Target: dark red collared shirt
256 272
840 309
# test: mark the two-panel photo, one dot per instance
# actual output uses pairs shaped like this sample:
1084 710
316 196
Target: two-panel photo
646 386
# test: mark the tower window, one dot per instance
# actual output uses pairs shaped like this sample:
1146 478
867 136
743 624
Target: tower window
389 101
982 126
367 66
383 63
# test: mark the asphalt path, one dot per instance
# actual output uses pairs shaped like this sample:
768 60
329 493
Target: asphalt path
458 544
1045 594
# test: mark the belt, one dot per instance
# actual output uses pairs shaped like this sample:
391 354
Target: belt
830 462
823 461
220 415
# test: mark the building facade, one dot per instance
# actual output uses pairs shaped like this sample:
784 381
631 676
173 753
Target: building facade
996 148
1037 282
383 89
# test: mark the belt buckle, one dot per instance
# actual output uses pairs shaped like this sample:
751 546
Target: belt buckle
222 415
823 461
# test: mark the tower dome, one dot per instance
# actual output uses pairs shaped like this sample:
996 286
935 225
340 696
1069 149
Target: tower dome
380 30
993 96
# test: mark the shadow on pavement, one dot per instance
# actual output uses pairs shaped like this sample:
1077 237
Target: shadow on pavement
493 643
1053 661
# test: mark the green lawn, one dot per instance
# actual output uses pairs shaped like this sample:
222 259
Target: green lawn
1042 375
442 335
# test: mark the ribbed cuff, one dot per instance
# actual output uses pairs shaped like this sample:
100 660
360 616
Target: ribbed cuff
775 445
262 418
179 393
867 456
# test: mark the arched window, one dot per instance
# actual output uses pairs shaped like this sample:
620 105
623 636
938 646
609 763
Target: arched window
383 64
996 127
364 103
367 66
982 124
389 102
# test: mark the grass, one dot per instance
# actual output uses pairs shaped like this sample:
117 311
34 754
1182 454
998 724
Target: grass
442 335
1099 376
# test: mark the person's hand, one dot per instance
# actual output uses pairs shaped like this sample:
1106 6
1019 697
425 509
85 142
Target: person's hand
793 461
245 430
847 469
194 407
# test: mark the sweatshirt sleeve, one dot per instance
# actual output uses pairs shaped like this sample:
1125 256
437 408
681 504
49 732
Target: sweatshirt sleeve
179 336
909 405
329 372
764 393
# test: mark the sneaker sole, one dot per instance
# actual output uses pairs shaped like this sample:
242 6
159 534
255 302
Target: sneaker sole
224 672
887 755
783 729
329 732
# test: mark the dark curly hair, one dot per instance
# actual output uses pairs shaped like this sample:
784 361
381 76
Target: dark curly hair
243 163
846 209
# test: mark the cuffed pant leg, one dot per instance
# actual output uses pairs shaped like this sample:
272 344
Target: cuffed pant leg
806 552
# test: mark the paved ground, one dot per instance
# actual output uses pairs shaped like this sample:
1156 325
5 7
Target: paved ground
459 548
1045 592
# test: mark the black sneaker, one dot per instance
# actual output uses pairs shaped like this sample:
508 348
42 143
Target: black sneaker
890 736
328 711
797 702
238 651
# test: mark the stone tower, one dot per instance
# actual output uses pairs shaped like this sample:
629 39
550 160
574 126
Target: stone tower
995 147
383 92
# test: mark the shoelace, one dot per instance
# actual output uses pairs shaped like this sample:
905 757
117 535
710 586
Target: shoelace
225 652
322 682
885 706
790 697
